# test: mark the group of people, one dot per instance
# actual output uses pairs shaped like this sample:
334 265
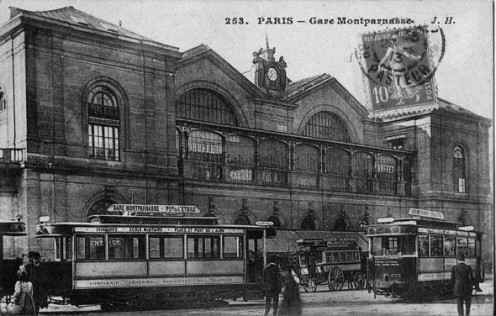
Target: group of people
274 282
462 278
29 295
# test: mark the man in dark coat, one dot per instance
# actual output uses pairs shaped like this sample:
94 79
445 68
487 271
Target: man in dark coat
37 275
462 278
272 286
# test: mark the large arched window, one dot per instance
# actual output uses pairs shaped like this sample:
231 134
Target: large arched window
204 156
306 164
3 100
337 170
205 105
103 123
363 172
459 170
273 162
327 125
240 152
385 168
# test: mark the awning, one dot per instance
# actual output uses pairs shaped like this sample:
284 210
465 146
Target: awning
285 241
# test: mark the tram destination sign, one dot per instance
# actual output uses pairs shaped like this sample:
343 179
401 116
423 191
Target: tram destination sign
426 213
157 209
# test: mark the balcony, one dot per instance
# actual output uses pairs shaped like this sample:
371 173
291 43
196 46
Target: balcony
11 156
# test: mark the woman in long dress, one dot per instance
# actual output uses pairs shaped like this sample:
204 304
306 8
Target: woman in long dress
23 296
291 303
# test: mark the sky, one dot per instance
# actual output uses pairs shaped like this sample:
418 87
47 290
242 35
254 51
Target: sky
464 76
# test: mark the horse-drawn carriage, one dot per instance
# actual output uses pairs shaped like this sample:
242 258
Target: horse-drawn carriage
318 261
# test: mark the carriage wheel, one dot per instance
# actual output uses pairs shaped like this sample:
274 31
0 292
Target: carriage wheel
335 279
310 286
359 281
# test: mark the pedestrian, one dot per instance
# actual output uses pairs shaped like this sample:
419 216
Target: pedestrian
291 302
462 278
23 296
272 286
37 275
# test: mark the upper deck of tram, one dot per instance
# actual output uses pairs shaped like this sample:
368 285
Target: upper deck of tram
12 228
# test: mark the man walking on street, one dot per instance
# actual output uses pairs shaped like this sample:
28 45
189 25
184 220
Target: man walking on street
462 278
272 286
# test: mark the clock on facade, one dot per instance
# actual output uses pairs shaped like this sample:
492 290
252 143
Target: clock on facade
272 74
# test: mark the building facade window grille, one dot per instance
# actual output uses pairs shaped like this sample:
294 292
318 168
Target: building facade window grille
3 100
337 170
306 165
103 124
459 170
204 156
386 173
273 164
327 125
205 105
240 158
363 172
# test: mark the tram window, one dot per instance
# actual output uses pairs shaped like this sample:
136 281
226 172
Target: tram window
356 256
471 248
233 247
335 257
406 245
391 245
318 257
461 245
423 245
436 245
349 256
204 247
126 247
173 247
154 247
97 248
342 257
63 248
449 246
81 248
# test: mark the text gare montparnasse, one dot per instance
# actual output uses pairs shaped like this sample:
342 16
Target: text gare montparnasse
324 21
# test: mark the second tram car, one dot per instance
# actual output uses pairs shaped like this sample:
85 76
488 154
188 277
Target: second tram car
9 267
413 257
139 260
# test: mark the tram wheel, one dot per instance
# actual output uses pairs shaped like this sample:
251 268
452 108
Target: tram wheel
359 281
335 279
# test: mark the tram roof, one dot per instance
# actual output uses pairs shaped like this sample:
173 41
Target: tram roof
422 222
12 228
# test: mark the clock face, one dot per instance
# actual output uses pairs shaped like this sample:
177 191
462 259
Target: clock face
272 74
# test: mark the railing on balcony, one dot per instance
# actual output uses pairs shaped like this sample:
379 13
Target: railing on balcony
9 155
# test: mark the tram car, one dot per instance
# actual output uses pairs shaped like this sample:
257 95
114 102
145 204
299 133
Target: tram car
412 257
9 266
146 259
325 262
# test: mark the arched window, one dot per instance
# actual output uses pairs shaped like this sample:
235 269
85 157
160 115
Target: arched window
3 100
204 157
103 124
240 153
273 162
459 170
100 207
337 170
205 105
242 219
275 220
385 167
327 125
306 164
363 172
308 223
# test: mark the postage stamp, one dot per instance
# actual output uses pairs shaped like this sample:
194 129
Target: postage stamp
400 65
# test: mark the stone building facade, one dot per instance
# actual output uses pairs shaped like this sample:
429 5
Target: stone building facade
93 114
